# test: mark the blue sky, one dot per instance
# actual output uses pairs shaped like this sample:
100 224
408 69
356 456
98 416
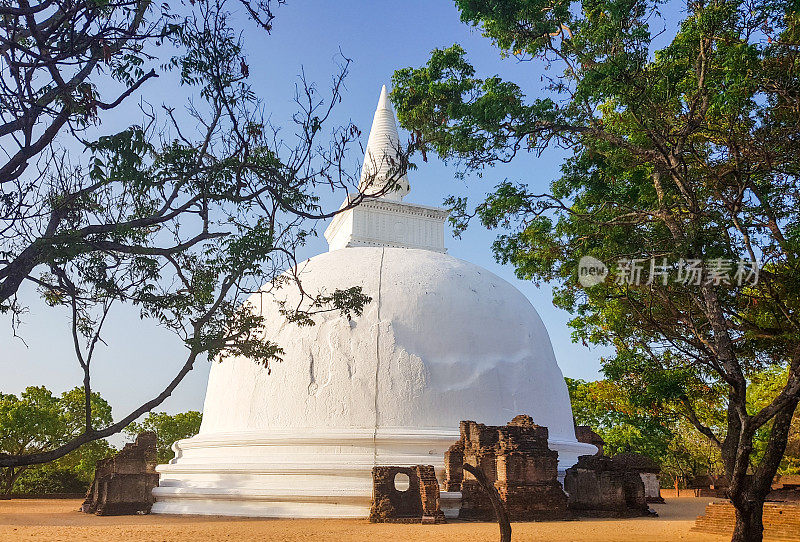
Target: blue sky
379 37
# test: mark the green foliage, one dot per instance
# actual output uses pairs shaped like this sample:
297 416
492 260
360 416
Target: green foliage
688 455
764 386
169 428
183 213
622 424
50 480
38 420
688 152
630 422
72 473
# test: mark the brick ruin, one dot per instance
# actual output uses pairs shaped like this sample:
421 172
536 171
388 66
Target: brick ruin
517 460
418 503
781 520
599 486
646 468
123 484
708 485
648 471
786 487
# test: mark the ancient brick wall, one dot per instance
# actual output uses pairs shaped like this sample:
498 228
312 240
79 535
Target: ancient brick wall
419 502
781 520
429 494
454 472
600 487
123 484
516 459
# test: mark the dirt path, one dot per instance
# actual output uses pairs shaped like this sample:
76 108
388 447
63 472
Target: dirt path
59 521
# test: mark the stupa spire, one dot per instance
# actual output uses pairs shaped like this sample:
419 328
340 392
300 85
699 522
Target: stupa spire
385 220
381 158
383 99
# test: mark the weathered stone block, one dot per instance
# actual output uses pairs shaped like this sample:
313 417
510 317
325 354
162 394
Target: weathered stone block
648 471
584 433
123 484
419 502
599 487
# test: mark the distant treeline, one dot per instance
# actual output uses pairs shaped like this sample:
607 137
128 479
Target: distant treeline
38 420
648 422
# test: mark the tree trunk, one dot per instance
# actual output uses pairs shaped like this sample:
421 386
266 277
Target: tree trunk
749 493
10 476
494 498
749 525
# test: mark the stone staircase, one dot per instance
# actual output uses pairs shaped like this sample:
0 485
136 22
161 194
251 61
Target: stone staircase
781 520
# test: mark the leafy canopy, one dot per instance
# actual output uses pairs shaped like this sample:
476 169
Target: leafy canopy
169 428
37 420
687 152
182 214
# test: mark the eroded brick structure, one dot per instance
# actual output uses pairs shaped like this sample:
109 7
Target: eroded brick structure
516 459
598 486
786 488
123 484
781 520
419 502
648 471
708 485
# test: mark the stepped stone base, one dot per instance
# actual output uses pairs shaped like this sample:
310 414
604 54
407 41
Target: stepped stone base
302 473
781 520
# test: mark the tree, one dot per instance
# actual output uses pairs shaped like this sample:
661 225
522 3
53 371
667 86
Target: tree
763 387
639 422
70 474
169 429
625 424
690 454
38 420
686 157
181 215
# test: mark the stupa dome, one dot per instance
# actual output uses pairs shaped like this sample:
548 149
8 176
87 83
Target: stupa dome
442 340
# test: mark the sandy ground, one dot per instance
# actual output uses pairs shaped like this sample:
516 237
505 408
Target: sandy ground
59 520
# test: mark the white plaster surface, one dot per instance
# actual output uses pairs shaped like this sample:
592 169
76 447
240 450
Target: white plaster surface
383 146
443 340
652 486
383 222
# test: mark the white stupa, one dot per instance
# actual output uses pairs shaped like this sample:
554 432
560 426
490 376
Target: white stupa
442 341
